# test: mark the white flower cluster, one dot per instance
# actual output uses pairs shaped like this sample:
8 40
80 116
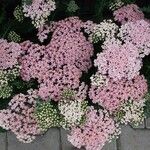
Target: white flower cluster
131 112
99 80
88 26
105 30
29 138
39 11
73 112
115 5
6 76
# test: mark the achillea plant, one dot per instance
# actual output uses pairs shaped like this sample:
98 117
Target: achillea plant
98 129
115 93
47 115
128 13
72 108
60 64
131 112
38 11
19 117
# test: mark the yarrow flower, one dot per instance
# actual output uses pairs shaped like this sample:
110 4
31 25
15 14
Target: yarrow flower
71 108
44 30
98 129
38 11
131 112
18 13
43 33
60 64
9 54
6 77
116 5
112 96
19 117
88 27
13 36
137 33
69 46
128 13
99 80
119 60
105 30
47 115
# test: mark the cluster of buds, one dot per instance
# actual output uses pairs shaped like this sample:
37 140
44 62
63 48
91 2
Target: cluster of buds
18 14
47 115
13 36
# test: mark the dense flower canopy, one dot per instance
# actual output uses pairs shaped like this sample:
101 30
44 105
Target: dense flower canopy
85 76
119 60
58 65
115 93
137 33
9 54
38 11
98 129
19 117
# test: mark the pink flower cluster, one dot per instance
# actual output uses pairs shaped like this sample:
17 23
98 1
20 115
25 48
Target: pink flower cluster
115 93
38 11
138 33
69 46
119 60
98 129
43 33
128 13
44 30
9 53
58 65
19 117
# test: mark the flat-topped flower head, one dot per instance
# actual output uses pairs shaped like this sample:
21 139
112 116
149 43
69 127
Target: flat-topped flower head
9 54
131 112
112 96
38 11
106 29
60 64
128 13
137 33
19 117
119 60
98 129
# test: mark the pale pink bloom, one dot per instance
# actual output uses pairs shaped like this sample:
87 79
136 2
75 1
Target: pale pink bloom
115 93
98 129
128 13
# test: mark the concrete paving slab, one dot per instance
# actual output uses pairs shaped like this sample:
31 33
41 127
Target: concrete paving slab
148 123
3 142
110 146
49 141
132 139
66 145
